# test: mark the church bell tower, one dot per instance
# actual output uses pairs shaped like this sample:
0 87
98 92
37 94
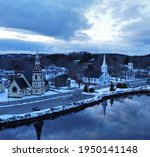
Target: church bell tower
37 77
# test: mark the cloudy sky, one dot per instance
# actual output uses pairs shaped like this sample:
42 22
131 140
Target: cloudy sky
55 26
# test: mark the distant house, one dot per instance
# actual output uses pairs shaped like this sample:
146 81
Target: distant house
29 83
98 76
130 74
1 85
51 72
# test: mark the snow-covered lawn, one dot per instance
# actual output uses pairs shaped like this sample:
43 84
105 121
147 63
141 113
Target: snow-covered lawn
4 95
73 84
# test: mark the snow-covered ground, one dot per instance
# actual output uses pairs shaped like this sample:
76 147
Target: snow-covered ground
73 84
4 95
100 94
53 91
113 79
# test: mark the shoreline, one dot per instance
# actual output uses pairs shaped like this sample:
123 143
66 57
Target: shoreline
13 120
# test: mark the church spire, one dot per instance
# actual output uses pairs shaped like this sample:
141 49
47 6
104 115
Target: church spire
104 105
104 60
37 62
104 65
38 127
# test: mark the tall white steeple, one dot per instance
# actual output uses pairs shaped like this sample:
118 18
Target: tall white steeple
104 68
37 77
37 62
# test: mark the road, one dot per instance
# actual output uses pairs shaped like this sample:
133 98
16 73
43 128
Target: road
44 102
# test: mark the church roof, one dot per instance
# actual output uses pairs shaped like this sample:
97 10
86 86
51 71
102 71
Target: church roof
28 76
21 83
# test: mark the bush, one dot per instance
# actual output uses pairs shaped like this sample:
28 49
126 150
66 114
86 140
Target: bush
86 89
122 85
91 90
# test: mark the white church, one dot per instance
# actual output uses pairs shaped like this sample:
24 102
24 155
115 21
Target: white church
29 83
98 77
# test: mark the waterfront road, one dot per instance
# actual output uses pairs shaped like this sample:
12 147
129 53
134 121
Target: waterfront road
44 102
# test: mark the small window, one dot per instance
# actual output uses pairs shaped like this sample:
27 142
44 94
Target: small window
36 77
14 90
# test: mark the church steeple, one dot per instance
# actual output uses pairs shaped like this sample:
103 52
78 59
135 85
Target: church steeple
38 127
104 60
37 77
104 65
104 105
37 62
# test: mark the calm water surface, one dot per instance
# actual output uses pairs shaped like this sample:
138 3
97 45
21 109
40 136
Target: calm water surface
124 118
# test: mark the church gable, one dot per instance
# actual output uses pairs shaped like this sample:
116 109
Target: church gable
14 89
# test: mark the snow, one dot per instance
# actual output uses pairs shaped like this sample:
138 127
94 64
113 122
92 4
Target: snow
98 96
74 84
4 95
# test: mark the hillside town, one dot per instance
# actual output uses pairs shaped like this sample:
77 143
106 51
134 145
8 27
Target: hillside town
52 78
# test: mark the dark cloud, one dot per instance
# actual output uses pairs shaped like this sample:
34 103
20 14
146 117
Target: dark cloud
56 18
14 45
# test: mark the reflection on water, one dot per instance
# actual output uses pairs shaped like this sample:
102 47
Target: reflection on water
38 128
122 118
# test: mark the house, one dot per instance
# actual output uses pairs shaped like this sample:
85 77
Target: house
1 85
52 71
29 83
130 74
98 77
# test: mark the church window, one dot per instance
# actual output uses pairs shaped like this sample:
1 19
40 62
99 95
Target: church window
41 76
14 90
36 77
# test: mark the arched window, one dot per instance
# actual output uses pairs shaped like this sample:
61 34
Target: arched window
36 77
14 90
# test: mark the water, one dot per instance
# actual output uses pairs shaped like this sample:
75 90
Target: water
124 118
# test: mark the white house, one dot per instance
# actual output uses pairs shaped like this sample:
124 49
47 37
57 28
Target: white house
130 74
29 83
98 76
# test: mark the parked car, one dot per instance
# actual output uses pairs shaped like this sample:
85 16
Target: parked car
35 108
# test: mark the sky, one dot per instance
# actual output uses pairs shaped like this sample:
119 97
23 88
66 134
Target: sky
62 26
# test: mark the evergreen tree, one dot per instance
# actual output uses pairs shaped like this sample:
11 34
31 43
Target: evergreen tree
85 88
112 87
